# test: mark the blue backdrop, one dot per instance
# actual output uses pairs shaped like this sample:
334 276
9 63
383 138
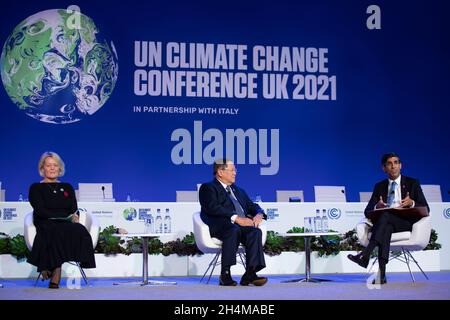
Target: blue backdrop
390 95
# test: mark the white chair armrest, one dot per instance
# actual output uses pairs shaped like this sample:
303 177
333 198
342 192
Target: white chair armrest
421 232
202 236
29 230
362 231
90 222
263 228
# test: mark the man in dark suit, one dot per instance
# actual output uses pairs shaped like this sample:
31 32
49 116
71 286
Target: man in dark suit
396 191
233 218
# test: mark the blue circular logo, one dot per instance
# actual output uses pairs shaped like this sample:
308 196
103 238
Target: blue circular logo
447 213
334 213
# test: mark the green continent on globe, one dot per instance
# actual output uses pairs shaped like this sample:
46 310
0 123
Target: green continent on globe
57 71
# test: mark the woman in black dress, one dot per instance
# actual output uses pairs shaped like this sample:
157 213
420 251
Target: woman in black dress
59 238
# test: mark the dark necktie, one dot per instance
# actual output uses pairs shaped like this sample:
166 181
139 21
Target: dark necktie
237 205
391 194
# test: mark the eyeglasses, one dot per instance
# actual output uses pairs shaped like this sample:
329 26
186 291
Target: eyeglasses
232 170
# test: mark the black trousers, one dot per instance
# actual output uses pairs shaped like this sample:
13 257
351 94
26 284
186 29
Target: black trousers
382 230
251 238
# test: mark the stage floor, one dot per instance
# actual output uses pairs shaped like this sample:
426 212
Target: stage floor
341 287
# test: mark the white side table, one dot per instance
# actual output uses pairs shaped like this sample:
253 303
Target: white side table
307 236
145 237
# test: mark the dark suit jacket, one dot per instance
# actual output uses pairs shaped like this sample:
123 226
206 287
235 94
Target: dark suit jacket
407 184
217 207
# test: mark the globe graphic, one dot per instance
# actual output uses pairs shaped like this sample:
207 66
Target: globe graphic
57 68
129 214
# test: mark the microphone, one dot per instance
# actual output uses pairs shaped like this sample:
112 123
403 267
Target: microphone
103 190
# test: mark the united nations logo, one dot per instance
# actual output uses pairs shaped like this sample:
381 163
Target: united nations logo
446 213
334 213
130 214
57 67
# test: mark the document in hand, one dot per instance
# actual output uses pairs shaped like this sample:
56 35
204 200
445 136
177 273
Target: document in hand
404 212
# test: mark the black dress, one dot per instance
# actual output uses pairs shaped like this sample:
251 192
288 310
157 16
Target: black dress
57 241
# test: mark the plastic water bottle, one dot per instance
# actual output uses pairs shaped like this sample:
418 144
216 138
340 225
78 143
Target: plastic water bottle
20 197
128 198
158 222
167 222
324 221
317 222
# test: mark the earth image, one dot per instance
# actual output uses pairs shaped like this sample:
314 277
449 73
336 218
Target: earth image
57 71
129 214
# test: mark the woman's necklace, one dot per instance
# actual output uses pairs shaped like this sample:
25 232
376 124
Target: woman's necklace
54 190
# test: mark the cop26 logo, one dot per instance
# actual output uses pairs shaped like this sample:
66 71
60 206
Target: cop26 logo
334 213
446 213
129 214
57 67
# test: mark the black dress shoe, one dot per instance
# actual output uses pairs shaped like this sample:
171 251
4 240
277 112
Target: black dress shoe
359 259
226 280
381 280
253 279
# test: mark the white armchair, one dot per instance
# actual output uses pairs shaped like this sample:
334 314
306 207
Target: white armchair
401 242
208 244
89 221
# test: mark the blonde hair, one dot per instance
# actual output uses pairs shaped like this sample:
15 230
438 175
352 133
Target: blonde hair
56 157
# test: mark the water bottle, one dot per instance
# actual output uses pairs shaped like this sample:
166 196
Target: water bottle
167 222
324 221
317 222
158 222
20 197
307 224
128 198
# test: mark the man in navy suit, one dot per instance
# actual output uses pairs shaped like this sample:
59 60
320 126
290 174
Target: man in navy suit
396 191
233 218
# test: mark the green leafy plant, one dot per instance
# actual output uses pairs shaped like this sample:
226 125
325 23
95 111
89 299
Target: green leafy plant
18 247
349 242
132 245
108 244
296 230
327 245
184 247
155 246
274 243
295 244
433 245
4 244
